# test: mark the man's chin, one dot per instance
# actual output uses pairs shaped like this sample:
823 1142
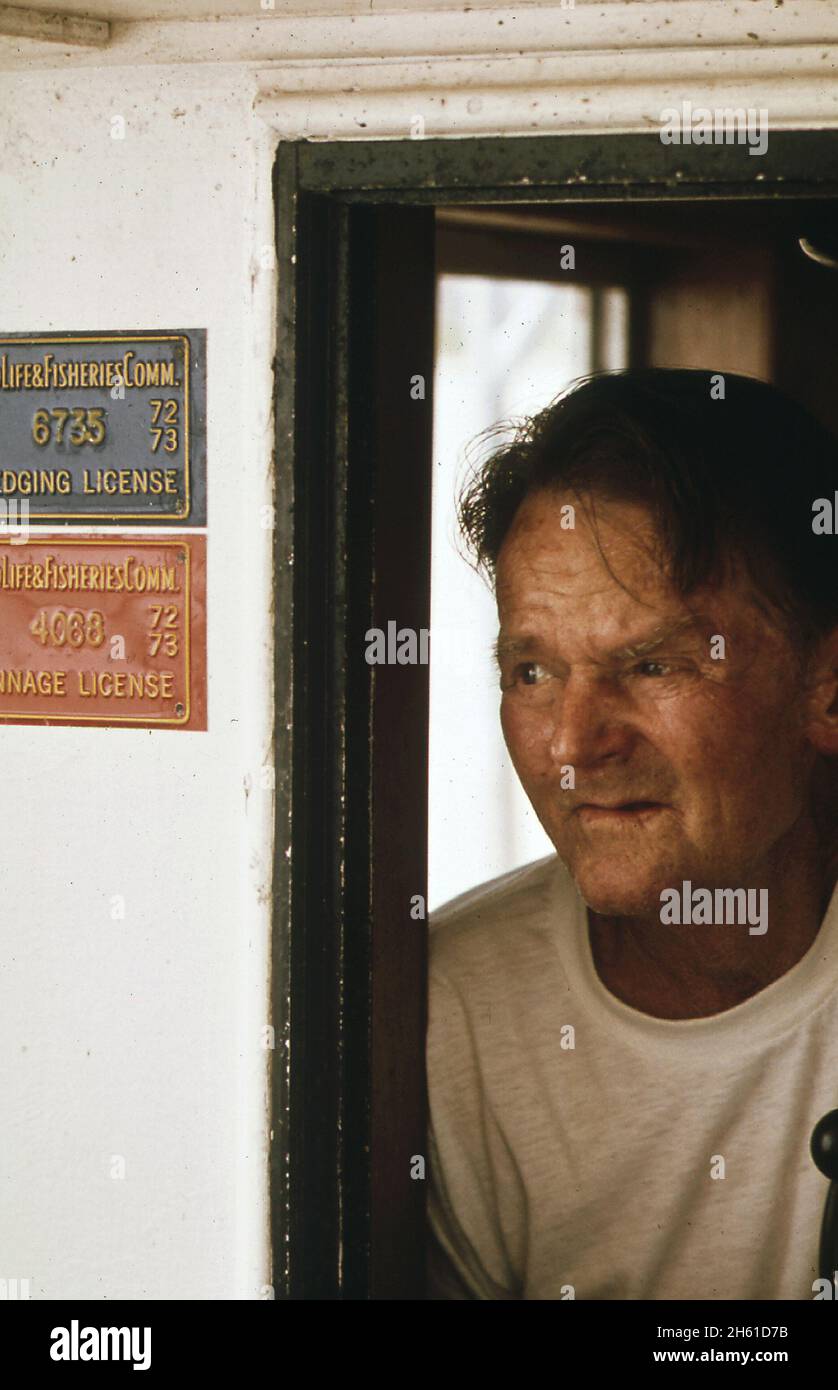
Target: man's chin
622 903
622 875
631 895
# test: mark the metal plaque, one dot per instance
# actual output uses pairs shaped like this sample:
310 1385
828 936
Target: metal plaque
103 427
95 630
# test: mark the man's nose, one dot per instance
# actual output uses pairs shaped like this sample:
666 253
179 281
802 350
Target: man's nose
591 722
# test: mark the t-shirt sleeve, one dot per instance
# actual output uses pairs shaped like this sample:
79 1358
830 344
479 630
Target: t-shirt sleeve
476 1217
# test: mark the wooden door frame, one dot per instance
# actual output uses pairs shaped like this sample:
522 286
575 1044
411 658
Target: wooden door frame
348 962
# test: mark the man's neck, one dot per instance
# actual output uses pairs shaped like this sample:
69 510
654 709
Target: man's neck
693 971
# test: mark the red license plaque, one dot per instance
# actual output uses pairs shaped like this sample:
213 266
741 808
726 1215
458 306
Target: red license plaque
95 630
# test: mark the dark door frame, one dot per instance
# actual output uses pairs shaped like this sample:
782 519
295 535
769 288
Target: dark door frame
354 236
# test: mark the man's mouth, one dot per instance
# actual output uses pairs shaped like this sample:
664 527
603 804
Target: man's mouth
618 812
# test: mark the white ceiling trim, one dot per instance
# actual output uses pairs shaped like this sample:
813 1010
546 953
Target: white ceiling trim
548 93
20 23
616 26
589 22
604 43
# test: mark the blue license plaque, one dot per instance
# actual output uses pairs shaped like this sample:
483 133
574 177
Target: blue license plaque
108 427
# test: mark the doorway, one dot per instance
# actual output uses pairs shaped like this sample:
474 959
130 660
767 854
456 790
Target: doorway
388 250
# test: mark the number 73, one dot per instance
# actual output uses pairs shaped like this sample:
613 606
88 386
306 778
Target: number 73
163 636
164 416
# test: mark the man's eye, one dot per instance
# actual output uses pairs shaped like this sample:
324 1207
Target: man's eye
652 668
530 673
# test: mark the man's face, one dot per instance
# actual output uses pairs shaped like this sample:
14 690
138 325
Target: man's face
689 754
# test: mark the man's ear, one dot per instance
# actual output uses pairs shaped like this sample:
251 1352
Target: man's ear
822 696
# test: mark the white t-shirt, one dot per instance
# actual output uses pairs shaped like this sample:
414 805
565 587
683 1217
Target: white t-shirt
595 1170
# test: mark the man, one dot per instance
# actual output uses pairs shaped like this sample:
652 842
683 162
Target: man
631 1041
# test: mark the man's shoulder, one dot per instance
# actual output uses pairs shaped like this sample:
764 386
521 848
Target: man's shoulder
497 895
500 918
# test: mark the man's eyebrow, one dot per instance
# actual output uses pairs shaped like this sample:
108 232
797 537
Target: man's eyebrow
511 646
664 633
506 647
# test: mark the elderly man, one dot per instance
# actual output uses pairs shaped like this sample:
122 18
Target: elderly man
631 1041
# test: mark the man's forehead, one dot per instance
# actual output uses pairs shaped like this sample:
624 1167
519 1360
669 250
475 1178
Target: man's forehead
607 576
565 578
557 545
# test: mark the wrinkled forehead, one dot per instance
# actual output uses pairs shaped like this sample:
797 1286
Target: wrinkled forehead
568 547
598 573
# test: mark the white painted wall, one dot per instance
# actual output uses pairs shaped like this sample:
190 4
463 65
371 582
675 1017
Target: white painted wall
143 1038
